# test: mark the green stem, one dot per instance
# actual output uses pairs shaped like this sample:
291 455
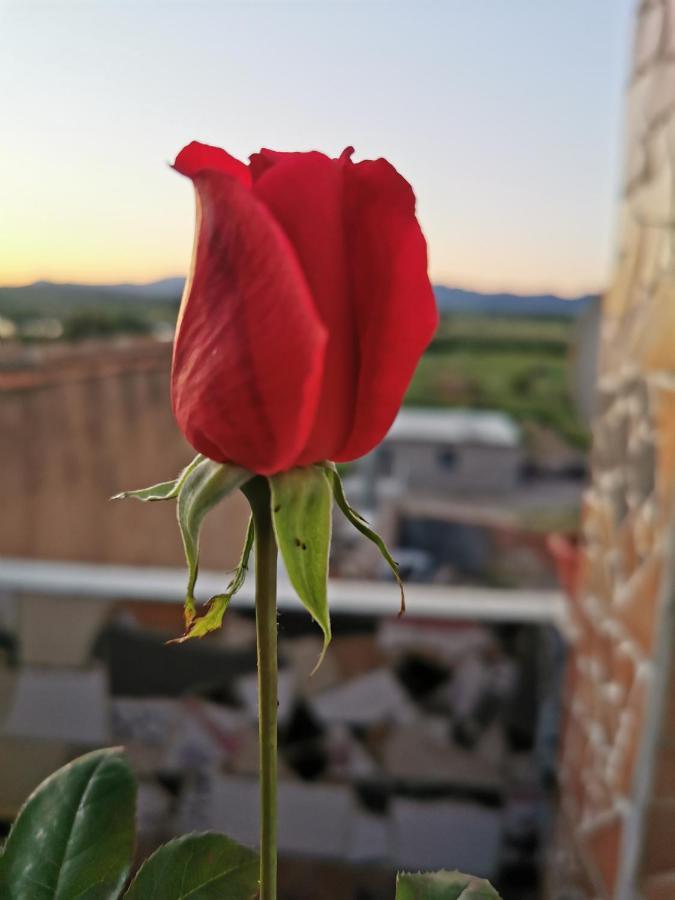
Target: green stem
258 494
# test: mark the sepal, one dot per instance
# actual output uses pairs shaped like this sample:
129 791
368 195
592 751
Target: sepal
217 606
205 486
165 490
357 520
198 488
301 513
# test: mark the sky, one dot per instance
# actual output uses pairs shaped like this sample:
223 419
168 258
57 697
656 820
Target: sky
505 115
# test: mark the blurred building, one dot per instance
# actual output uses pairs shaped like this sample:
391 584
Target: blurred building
462 498
452 451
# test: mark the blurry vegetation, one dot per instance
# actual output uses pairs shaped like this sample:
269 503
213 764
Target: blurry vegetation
104 323
82 312
517 365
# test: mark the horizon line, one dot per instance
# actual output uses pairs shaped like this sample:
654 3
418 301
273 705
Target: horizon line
514 291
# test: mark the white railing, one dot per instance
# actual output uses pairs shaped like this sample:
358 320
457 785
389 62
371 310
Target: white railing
167 585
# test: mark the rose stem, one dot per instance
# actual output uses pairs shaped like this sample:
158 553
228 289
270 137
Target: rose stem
258 494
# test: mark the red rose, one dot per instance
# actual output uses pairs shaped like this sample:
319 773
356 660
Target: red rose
306 310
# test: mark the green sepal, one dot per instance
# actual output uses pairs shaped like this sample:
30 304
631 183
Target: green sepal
212 619
362 525
205 486
206 866
301 512
443 886
165 490
74 836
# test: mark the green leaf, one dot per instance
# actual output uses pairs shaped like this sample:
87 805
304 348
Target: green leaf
205 486
217 606
301 512
74 836
443 886
198 866
361 525
166 490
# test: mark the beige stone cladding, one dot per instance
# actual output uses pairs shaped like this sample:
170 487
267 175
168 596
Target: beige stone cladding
614 837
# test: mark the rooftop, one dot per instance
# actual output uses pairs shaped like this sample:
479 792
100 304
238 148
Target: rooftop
455 426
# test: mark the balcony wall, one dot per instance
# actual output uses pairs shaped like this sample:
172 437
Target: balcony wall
79 424
617 817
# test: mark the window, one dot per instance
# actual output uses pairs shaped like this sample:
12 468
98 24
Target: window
447 458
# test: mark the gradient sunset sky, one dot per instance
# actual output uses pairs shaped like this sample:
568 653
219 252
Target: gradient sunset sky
506 116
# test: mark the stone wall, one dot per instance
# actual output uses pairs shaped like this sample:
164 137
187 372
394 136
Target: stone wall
614 836
78 424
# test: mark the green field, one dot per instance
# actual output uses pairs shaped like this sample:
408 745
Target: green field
520 366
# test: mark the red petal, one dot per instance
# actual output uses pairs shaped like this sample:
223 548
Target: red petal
263 160
394 302
249 348
196 158
305 194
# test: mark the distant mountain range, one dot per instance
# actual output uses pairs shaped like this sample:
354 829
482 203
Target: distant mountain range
47 297
164 290
456 300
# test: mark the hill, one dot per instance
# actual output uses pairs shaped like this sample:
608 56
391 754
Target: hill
51 298
48 298
533 306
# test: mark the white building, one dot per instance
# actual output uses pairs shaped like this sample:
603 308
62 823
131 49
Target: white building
458 451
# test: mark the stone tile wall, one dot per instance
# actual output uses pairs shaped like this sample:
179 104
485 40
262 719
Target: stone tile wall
617 819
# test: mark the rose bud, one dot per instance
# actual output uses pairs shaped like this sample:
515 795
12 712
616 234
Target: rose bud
306 309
